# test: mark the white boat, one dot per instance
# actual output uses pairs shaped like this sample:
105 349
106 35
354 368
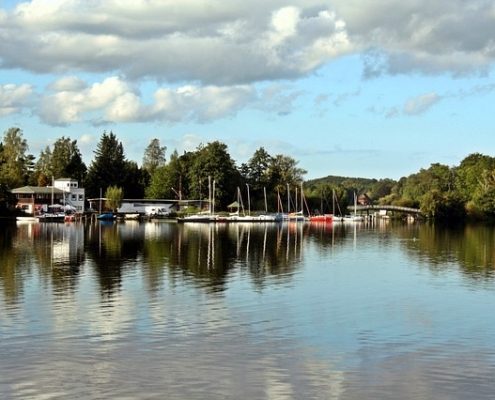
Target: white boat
354 217
205 216
52 217
255 218
26 219
132 216
199 217
296 217
270 217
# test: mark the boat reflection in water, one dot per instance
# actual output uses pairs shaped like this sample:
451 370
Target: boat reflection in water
208 311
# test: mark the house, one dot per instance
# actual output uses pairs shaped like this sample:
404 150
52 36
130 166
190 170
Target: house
74 195
363 200
35 200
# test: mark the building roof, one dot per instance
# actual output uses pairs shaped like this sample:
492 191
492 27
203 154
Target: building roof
37 190
66 180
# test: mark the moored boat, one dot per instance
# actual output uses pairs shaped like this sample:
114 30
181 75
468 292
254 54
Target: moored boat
107 216
321 218
51 217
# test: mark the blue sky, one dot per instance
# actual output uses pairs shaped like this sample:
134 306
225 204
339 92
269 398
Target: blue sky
347 87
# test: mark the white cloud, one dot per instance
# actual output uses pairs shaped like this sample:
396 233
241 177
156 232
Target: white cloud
422 36
71 100
87 139
216 42
421 104
200 104
212 42
14 98
69 83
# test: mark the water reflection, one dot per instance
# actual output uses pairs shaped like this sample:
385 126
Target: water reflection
209 254
163 310
468 247
53 251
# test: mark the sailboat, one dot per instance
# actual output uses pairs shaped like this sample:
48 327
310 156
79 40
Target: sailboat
298 215
325 218
237 217
205 216
268 217
354 217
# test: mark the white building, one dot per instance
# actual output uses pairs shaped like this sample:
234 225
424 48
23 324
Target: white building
150 207
73 194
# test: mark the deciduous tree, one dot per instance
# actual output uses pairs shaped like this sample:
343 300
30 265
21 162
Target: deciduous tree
154 156
114 196
16 164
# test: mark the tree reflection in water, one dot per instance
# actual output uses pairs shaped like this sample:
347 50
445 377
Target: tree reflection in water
208 255
468 247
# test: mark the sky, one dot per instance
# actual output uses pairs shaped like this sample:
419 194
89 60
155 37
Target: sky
375 89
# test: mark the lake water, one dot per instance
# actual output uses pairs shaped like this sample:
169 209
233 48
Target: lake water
192 311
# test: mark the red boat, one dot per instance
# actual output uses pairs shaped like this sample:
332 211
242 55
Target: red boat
321 218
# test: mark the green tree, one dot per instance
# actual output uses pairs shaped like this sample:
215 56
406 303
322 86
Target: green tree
42 169
469 174
154 156
161 184
437 177
256 173
258 169
283 170
171 180
16 164
108 166
213 160
135 180
114 196
381 188
66 160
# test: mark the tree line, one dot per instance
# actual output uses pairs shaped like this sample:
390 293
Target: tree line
440 191
464 191
182 176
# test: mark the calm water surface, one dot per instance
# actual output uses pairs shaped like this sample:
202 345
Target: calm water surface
162 310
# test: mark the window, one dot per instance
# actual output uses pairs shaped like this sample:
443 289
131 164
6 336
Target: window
81 197
73 197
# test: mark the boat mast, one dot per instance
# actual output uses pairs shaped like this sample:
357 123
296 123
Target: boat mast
239 201
296 205
302 199
355 203
288 199
333 201
213 197
53 183
321 203
249 199
280 206
266 204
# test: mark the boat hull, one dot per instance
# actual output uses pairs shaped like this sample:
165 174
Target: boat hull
321 218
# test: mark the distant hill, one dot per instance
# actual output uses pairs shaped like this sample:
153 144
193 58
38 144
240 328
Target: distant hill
346 187
332 180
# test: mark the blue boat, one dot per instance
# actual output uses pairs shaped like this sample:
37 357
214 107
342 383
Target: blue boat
108 216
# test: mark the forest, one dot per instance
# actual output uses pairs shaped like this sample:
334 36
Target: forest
440 191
